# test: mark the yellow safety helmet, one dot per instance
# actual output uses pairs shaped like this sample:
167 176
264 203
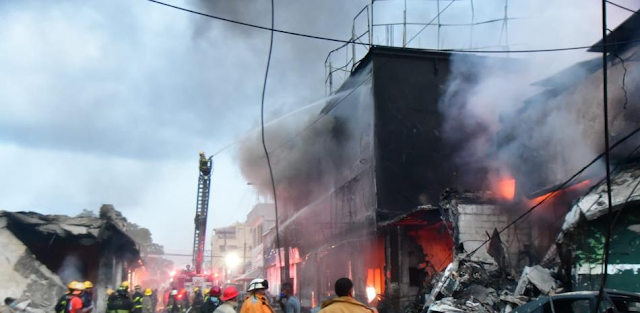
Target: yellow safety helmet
76 287
125 284
148 292
196 289
88 285
109 291
72 284
206 291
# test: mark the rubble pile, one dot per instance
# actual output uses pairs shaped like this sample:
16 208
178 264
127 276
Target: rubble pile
472 286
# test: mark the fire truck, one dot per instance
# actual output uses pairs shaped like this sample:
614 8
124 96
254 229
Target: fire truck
192 277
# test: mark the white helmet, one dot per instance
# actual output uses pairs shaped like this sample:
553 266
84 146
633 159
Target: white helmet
174 292
258 283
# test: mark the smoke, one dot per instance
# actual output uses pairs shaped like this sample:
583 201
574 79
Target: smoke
305 149
71 269
535 117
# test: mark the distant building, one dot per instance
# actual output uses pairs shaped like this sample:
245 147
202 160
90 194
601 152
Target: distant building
259 220
230 251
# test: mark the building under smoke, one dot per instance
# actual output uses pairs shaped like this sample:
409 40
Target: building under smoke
397 174
347 184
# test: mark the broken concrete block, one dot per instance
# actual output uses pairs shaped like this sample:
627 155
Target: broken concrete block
537 276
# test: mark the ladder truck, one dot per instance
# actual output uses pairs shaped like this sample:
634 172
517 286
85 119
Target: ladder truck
195 276
202 209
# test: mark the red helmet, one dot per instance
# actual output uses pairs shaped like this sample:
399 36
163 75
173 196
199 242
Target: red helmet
229 293
215 291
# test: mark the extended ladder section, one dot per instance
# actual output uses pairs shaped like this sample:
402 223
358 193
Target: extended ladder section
202 208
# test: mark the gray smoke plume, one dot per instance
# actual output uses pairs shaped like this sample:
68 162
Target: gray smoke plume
538 117
305 150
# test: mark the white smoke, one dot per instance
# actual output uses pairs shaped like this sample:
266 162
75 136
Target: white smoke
513 127
71 269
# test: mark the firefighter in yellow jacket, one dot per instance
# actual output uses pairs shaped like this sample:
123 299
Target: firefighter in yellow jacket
345 303
257 301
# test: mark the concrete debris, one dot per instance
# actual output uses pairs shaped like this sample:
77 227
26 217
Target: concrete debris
536 276
445 305
468 286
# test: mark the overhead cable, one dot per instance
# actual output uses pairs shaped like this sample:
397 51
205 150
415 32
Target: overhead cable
367 44
605 108
555 191
264 142
621 7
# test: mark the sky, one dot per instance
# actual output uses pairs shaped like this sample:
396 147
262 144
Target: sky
110 101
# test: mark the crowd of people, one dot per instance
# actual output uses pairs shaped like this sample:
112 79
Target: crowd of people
80 299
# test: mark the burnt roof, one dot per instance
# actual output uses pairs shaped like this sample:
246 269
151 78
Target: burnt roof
624 33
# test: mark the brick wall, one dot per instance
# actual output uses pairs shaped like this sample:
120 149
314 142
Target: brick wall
476 220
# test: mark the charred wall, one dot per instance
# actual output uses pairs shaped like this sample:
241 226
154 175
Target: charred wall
414 162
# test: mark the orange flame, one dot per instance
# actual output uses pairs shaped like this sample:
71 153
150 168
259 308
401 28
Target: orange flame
507 189
578 186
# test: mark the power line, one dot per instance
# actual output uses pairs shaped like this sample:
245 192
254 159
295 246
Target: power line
271 29
605 108
621 7
264 143
432 20
555 191
367 45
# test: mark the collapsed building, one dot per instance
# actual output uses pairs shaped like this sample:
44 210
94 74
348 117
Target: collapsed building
43 253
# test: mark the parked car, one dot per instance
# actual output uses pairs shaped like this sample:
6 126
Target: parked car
613 301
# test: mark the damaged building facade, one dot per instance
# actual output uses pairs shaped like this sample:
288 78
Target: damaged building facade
371 211
380 197
43 253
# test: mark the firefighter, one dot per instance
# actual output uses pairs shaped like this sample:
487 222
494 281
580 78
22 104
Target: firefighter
87 297
212 302
110 296
206 294
125 285
174 305
72 301
204 164
197 301
147 301
230 298
345 303
257 301
137 299
120 303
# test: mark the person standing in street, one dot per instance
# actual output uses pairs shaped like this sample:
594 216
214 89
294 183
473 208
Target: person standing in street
174 303
290 303
72 301
147 301
120 303
212 301
345 302
87 297
257 301
198 300
230 301
137 299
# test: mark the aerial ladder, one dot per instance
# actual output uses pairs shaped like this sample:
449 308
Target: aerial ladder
202 209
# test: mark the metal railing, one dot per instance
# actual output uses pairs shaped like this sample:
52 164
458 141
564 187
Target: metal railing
362 38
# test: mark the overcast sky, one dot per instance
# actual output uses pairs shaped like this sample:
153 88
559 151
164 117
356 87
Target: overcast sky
110 101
